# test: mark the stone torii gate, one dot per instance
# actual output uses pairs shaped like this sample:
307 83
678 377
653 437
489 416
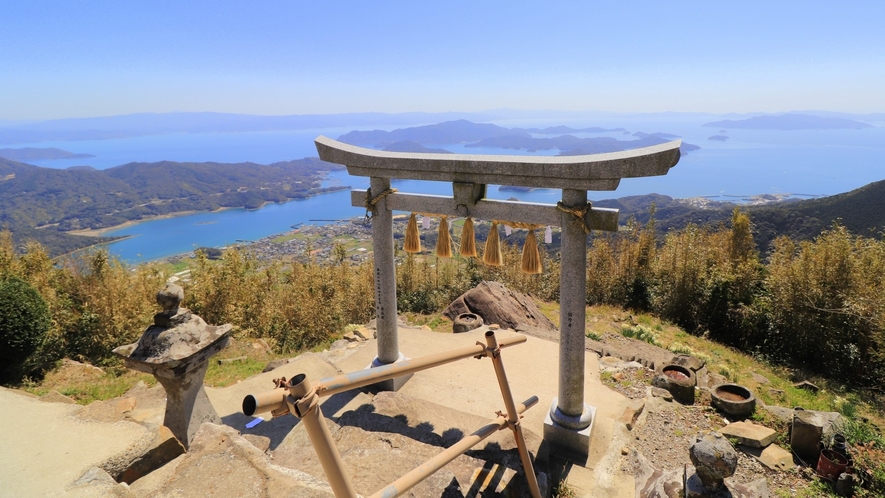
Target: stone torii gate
570 419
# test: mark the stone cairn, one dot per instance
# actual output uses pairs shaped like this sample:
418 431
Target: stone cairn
176 351
714 459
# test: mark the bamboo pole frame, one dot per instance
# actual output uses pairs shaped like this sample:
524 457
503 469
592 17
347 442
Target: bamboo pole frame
300 398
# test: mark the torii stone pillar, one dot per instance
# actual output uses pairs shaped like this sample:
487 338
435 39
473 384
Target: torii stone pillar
570 419
385 287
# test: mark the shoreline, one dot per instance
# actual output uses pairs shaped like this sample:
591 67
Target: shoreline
100 232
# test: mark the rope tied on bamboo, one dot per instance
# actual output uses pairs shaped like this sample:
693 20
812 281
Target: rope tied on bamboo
371 201
578 213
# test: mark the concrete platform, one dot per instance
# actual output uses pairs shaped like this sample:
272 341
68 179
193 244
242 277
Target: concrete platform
532 369
39 436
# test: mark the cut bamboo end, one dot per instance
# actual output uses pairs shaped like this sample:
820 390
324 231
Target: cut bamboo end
468 240
492 253
412 243
531 258
444 240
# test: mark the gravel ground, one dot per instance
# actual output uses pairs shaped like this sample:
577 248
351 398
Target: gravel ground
664 435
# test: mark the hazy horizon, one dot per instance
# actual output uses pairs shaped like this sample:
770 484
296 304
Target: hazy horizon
102 58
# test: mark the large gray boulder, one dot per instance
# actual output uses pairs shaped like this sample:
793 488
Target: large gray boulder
497 304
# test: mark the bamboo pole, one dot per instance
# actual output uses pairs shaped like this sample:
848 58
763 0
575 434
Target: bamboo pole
303 396
512 414
424 470
360 378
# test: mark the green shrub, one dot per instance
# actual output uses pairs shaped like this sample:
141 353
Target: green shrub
640 333
24 321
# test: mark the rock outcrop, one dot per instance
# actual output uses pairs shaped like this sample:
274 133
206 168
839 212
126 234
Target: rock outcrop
498 304
220 462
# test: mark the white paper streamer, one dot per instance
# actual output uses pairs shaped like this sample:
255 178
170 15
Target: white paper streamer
425 222
548 235
507 231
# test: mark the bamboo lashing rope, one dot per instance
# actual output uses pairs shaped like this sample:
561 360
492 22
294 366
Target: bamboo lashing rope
578 213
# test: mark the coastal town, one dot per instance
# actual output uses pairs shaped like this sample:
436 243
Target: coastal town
349 241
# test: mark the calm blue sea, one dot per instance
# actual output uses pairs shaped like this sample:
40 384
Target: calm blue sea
817 162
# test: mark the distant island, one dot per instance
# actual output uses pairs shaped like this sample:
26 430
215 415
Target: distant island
450 132
153 124
494 136
44 204
790 122
410 146
719 138
38 154
668 136
561 130
515 188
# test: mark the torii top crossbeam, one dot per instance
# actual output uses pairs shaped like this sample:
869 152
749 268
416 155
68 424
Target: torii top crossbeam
570 420
585 172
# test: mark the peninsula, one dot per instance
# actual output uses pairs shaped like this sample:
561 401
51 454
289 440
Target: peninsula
39 153
45 204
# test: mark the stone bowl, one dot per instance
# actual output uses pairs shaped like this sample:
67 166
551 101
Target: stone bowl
466 322
734 400
679 380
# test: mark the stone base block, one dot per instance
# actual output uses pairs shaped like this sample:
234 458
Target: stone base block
391 384
694 488
571 444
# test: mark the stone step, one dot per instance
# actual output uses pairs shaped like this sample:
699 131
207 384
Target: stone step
749 434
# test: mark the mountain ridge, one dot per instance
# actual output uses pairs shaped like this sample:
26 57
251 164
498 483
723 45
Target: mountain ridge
790 121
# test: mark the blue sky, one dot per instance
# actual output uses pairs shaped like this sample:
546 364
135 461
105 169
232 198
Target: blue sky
91 58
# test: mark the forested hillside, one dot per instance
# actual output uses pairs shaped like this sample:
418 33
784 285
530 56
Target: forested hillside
861 211
42 203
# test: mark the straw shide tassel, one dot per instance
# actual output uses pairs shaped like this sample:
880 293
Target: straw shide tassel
468 240
531 259
444 240
413 239
492 253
